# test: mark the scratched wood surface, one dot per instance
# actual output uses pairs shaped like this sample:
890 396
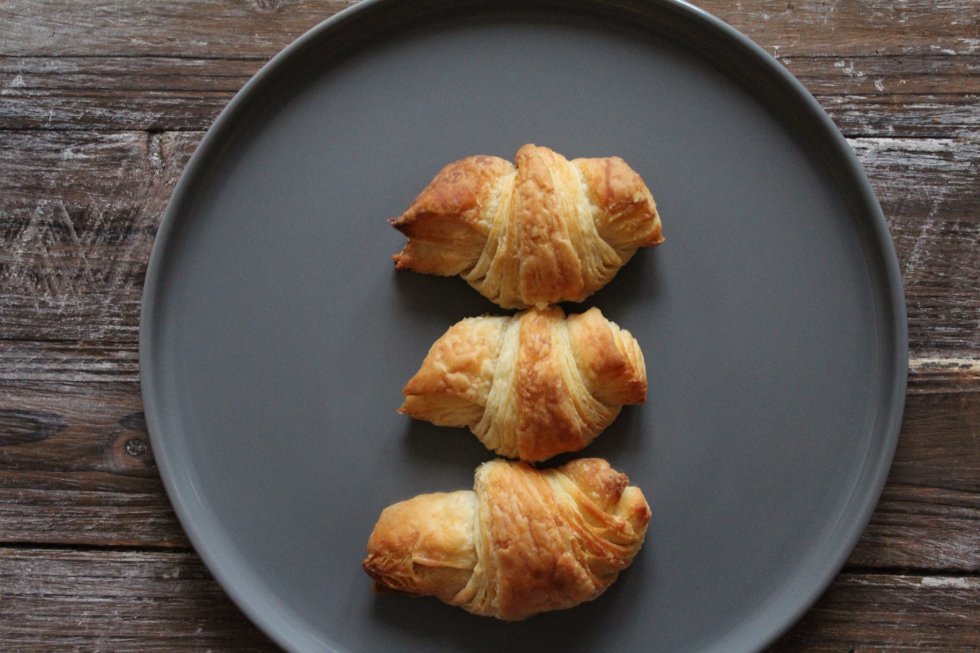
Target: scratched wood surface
102 103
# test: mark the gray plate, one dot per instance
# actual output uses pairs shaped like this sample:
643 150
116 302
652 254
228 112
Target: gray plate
276 335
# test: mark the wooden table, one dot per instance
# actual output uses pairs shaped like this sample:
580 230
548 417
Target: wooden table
102 102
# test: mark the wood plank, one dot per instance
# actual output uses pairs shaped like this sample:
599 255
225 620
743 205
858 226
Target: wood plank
44 515
75 427
929 512
214 28
939 375
204 28
921 527
121 601
78 214
930 75
68 362
139 600
943 304
76 469
853 28
938 447
121 93
896 77
884 612
919 96
79 210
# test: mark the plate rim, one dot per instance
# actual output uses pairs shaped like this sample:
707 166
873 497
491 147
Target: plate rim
886 427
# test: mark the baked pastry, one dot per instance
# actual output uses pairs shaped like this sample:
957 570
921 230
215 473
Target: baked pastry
532 385
546 231
523 541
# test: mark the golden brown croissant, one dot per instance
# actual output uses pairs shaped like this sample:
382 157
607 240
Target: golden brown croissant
546 231
532 385
523 541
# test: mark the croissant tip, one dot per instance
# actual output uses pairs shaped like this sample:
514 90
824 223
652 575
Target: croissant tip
401 224
643 512
656 238
400 260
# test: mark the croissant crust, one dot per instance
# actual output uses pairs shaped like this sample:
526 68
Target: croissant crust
532 385
543 231
524 541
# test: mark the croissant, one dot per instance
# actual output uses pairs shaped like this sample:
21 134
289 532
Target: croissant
532 385
546 231
523 541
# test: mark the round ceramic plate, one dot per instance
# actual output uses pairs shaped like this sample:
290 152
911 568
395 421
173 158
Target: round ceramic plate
277 335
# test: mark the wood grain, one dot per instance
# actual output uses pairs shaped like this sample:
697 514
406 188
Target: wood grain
884 612
116 601
79 210
78 214
71 473
76 467
142 600
216 28
213 28
917 96
929 513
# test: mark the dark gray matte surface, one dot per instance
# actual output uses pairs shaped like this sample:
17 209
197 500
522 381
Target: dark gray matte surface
277 334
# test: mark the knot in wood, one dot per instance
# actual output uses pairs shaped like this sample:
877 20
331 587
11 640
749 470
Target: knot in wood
135 447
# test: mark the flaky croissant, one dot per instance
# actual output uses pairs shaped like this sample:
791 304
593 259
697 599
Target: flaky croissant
546 231
523 541
532 385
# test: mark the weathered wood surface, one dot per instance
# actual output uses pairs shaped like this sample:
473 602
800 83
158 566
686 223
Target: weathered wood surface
79 209
227 28
166 601
917 96
890 612
77 470
60 600
102 103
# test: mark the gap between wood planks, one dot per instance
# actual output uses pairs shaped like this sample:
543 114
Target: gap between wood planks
113 548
